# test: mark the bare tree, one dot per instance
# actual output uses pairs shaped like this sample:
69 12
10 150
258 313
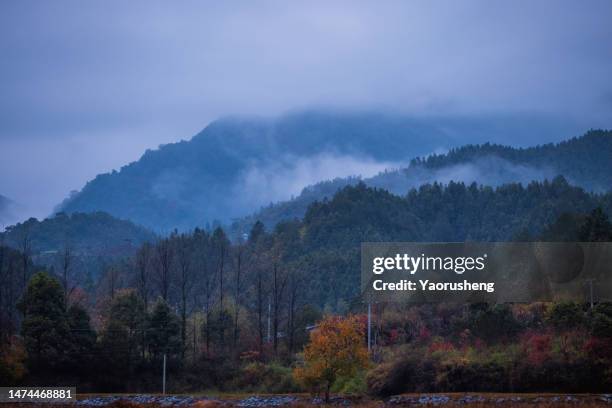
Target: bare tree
66 259
207 310
143 266
260 306
184 282
239 254
279 281
221 242
256 244
296 282
165 256
195 338
221 264
259 264
12 277
143 263
25 246
112 278
206 276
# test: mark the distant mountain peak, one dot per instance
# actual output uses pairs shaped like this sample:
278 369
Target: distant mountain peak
239 164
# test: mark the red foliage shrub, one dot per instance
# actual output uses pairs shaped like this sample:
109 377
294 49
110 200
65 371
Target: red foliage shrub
441 346
599 349
537 346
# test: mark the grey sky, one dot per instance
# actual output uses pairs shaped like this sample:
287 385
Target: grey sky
88 86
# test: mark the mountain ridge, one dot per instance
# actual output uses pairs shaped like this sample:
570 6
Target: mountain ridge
583 161
235 166
331 231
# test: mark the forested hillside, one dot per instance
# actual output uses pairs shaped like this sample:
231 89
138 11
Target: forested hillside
328 238
96 233
323 248
16 268
237 165
83 243
233 315
584 161
333 229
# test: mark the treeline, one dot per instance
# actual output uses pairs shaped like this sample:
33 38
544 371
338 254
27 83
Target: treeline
319 254
204 303
538 347
585 160
233 315
15 271
93 233
80 245
451 212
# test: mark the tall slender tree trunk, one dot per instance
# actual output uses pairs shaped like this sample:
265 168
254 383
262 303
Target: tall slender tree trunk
291 322
183 319
237 299
276 299
260 310
195 339
207 311
221 310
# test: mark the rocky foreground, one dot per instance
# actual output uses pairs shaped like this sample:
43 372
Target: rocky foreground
293 401
256 401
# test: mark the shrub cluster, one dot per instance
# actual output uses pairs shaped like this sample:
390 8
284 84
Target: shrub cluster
563 347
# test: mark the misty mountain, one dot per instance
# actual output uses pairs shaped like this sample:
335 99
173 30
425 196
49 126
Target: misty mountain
584 161
237 165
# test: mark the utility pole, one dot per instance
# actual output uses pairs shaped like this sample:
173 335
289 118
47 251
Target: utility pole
164 376
590 281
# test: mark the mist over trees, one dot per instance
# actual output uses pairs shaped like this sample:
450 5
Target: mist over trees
583 161
237 165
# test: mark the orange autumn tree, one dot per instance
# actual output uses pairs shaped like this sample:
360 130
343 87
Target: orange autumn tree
336 349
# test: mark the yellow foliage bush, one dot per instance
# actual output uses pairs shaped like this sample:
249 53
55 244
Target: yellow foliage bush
336 349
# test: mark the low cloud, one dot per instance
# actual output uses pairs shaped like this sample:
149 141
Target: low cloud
488 170
262 185
491 171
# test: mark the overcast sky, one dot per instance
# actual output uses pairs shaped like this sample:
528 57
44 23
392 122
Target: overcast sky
86 87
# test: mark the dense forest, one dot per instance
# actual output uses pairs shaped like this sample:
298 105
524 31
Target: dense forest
333 229
584 161
95 232
235 315
85 244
